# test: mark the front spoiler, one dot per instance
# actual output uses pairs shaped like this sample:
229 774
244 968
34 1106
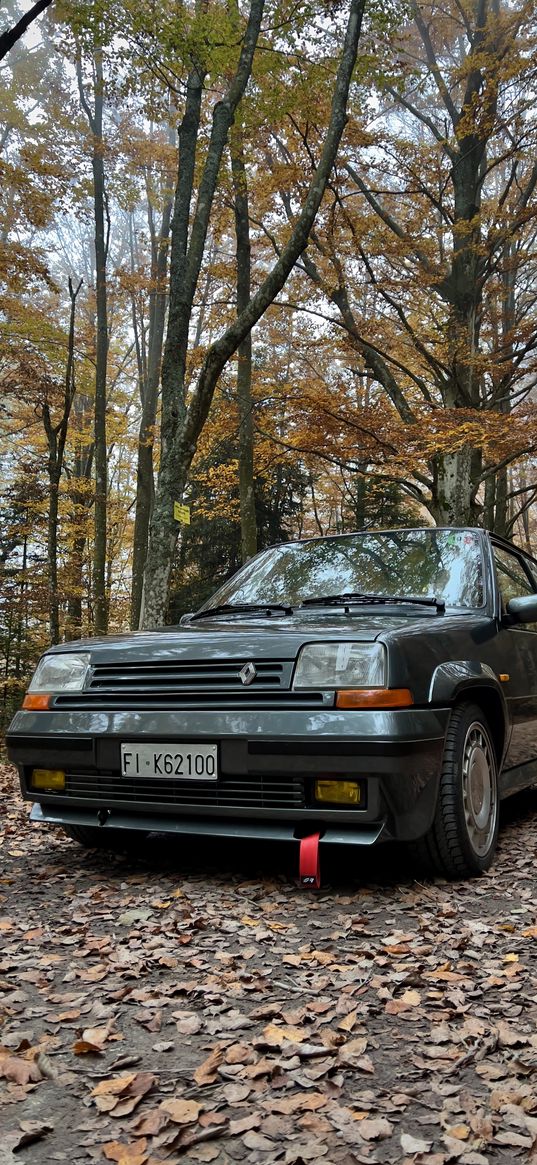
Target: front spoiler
251 829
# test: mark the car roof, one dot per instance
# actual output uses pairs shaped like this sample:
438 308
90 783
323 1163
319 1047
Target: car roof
379 530
498 539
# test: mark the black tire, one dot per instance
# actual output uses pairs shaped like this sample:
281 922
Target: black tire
461 842
95 837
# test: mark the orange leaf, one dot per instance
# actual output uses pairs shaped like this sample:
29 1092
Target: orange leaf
132 1154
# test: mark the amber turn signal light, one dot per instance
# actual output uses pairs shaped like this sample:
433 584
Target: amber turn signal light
37 701
375 698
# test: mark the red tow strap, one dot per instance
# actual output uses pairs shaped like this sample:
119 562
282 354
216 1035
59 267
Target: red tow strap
309 864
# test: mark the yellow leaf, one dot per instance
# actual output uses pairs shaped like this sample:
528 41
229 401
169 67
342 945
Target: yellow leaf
348 1021
115 1086
276 1035
413 998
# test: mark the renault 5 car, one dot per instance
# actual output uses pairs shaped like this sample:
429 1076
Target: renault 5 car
345 690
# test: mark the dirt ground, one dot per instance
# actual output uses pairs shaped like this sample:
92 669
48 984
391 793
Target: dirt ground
194 1004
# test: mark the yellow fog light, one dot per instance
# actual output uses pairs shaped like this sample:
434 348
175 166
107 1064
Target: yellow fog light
338 792
48 779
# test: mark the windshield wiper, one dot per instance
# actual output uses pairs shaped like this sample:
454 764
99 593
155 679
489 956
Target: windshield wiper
350 598
243 609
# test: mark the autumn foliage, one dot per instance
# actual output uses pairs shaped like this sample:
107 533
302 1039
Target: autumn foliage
389 379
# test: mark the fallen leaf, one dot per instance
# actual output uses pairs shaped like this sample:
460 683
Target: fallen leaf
85 1048
414 1144
244 1123
129 917
126 1154
207 1072
121 1095
19 1070
347 1023
375 1129
300 1102
181 1112
276 1035
460 1132
254 1140
236 1093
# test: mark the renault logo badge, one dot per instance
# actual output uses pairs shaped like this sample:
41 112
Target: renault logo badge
247 674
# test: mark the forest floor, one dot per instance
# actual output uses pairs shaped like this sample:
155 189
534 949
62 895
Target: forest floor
197 1005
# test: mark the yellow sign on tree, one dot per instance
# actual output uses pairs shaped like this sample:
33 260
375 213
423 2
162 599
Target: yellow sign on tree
181 513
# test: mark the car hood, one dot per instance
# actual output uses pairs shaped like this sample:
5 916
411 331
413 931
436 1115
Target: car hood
277 637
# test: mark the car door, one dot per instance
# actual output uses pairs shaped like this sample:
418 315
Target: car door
517 656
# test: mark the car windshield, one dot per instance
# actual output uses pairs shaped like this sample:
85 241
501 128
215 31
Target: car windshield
446 564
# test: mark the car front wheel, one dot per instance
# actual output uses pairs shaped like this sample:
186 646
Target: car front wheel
95 837
462 839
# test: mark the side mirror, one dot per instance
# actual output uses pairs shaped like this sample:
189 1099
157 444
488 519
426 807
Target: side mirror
523 609
185 618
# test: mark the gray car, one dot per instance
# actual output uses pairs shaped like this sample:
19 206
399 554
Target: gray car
350 690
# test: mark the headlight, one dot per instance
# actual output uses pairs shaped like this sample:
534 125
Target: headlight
340 665
60 673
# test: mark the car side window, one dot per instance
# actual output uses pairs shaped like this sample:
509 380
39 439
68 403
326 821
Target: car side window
513 579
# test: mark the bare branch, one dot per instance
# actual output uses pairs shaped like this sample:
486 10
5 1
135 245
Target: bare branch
9 38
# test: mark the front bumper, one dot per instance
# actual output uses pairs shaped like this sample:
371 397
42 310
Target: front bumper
398 754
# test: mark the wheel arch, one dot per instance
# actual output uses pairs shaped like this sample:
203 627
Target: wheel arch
472 682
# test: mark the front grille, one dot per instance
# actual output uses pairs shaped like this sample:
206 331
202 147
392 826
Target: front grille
170 701
171 684
260 792
185 676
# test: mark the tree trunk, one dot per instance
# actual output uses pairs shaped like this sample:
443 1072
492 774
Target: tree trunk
360 497
149 384
101 233
56 439
81 499
52 549
244 351
508 305
452 502
101 450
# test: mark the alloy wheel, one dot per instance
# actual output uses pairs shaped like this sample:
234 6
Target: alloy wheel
479 791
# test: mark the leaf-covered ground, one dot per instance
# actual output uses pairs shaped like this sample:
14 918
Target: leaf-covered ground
197 1005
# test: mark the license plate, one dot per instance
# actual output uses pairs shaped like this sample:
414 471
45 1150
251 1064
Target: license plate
184 762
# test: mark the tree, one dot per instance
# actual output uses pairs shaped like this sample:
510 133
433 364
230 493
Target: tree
56 433
94 116
183 422
443 230
149 342
244 351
